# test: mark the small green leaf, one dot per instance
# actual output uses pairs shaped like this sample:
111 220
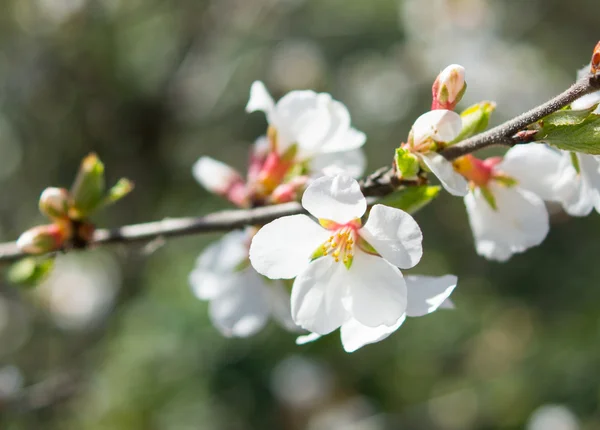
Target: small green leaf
118 191
30 271
570 132
89 186
475 120
406 163
411 199
566 117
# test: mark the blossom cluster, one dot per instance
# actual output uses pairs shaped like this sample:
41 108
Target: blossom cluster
341 266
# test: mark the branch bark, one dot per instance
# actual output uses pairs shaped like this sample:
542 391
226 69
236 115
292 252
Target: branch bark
380 183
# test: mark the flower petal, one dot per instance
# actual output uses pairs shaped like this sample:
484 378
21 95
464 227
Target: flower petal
307 338
452 181
279 303
260 99
215 176
318 295
337 198
535 167
519 223
218 260
395 235
283 248
377 291
355 335
350 163
440 125
428 293
586 101
244 308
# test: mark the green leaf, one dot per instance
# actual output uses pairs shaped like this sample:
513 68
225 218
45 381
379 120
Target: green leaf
118 191
475 120
30 271
411 199
571 131
89 186
406 163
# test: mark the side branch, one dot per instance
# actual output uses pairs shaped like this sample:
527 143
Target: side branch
380 183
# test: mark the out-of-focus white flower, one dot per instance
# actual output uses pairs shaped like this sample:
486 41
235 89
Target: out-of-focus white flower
588 100
449 87
241 300
506 217
429 131
553 417
313 121
426 294
571 179
221 179
343 270
11 382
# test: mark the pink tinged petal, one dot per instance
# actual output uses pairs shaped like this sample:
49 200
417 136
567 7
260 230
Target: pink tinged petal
337 198
428 293
536 168
395 235
451 180
355 335
440 125
282 249
350 163
318 295
307 338
219 260
519 223
215 176
243 309
260 99
377 291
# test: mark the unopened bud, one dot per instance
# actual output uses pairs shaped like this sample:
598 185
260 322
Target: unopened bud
89 187
44 238
54 202
290 191
448 87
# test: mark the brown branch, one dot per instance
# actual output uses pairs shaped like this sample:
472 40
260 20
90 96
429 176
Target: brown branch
380 183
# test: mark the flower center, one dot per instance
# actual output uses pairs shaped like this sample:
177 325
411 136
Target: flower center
340 245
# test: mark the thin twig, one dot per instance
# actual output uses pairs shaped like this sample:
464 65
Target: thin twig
380 183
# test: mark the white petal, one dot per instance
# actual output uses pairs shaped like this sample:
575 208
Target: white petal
535 167
307 338
279 302
318 295
452 181
377 291
283 248
243 309
586 101
578 192
341 137
218 260
441 125
520 222
337 198
355 335
351 163
395 235
260 99
428 293
214 175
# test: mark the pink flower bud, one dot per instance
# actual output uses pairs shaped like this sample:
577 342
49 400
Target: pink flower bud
475 170
221 179
54 202
44 238
289 191
448 87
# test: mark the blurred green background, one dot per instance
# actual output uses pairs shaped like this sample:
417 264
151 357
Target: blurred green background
116 340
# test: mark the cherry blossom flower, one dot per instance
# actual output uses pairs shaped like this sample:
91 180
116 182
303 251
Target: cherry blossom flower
221 179
506 213
571 179
429 133
425 294
241 300
343 270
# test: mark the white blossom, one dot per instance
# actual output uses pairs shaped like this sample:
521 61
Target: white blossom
314 121
425 295
588 100
241 300
438 126
343 270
